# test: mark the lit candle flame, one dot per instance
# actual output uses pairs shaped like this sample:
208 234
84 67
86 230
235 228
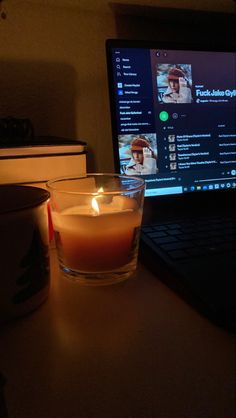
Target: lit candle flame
94 205
94 202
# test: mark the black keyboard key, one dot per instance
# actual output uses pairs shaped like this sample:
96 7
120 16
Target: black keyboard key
177 254
196 251
201 234
157 234
173 226
174 232
188 229
208 241
186 237
165 240
147 229
177 246
159 227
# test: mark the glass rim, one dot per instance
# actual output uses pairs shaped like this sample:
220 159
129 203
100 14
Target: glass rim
140 186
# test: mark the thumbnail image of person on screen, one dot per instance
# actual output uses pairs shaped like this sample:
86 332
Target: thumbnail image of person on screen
178 90
143 160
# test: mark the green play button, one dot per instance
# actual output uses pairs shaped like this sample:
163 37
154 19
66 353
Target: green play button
164 116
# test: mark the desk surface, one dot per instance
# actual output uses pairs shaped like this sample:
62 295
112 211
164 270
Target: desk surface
131 350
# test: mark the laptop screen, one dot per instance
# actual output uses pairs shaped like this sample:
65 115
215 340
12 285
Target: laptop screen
173 116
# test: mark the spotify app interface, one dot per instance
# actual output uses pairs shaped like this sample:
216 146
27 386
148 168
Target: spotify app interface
175 118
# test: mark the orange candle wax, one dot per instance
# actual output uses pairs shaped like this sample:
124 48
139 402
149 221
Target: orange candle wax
103 241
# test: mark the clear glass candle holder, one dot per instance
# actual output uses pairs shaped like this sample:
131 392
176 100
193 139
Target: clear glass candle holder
96 220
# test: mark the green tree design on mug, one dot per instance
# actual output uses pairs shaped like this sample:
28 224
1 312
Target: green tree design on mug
36 265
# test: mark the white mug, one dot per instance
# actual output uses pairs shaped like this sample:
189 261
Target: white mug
24 257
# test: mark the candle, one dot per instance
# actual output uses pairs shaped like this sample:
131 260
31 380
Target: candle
96 219
102 236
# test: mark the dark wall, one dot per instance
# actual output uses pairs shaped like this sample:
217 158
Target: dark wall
189 27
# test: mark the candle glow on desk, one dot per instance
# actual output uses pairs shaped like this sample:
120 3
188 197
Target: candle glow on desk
101 236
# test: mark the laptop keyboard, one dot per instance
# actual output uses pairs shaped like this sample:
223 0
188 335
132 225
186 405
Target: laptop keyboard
182 239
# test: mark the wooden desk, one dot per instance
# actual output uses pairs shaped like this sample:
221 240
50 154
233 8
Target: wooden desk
132 350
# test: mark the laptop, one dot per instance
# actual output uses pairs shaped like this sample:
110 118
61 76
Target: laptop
173 118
